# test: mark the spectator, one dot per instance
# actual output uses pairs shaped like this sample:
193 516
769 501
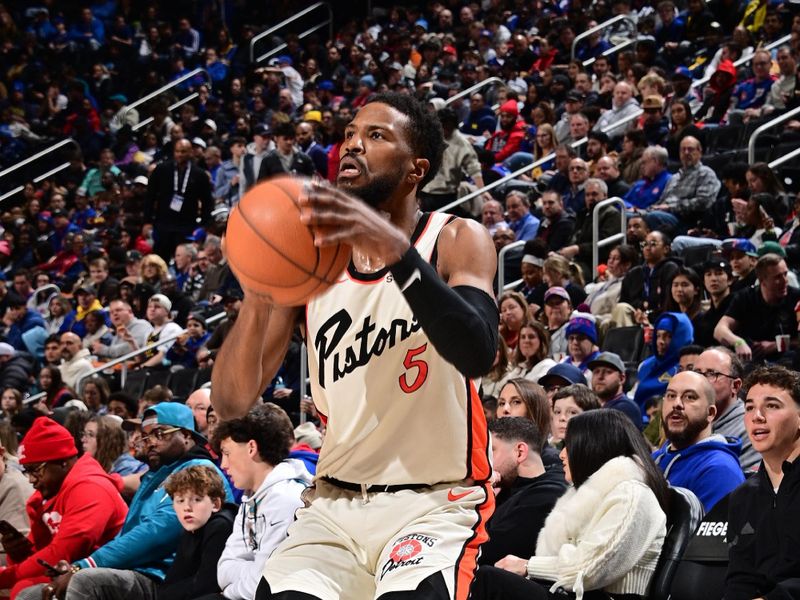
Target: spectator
226 187
57 392
693 457
458 161
603 295
561 376
682 126
513 313
85 498
743 257
285 158
717 277
308 144
105 285
520 220
624 105
581 343
607 169
96 329
723 369
655 124
184 350
76 363
255 452
19 320
199 401
123 405
251 162
672 332
557 227
583 239
158 314
756 315
569 402
492 216
58 307
86 294
751 94
527 491
140 555
591 527
187 279
557 311
178 193
480 121
686 289
15 489
645 286
506 140
131 332
763 561
692 190
104 439
16 368
530 359
783 88
608 383
648 190
578 175
198 497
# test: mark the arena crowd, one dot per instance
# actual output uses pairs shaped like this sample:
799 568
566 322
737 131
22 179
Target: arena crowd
677 353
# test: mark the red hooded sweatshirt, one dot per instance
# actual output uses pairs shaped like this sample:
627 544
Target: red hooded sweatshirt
87 512
504 142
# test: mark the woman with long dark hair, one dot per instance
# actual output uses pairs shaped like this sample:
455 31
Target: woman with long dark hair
686 294
604 536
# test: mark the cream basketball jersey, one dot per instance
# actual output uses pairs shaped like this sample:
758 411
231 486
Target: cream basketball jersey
397 412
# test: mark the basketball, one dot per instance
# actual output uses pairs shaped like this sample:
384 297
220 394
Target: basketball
272 252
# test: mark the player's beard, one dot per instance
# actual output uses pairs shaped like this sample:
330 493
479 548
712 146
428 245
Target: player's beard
378 189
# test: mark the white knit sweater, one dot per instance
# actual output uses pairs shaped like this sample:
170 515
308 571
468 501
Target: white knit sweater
605 535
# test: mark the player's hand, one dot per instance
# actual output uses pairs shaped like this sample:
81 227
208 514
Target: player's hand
514 564
337 217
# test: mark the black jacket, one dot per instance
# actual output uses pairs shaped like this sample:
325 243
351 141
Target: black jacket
17 371
642 288
197 201
558 233
764 537
515 525
272 165
194 571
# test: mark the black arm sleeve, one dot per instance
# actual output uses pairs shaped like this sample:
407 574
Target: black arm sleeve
461 322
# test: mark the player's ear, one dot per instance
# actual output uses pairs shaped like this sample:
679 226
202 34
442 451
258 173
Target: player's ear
420 167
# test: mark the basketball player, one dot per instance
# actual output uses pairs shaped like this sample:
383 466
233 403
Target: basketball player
401 499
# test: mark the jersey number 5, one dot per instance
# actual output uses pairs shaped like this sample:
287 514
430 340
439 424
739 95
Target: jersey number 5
412 362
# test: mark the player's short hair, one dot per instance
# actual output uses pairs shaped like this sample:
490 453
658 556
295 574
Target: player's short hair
197 479
267 425
424 130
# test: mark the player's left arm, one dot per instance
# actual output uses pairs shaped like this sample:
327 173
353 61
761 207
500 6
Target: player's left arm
460 317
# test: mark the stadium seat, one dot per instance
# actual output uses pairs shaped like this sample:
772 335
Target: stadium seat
626 342
158 377
203 377
685 514
697 255
136 383
719 139
700 574
182 383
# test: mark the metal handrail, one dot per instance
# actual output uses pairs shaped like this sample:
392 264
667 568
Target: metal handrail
170 108
167 87
125 358
746 59
595 29
301 36
596 229
501 267
472 88
533 165
31 159
610 51
785 158
285 22
751 144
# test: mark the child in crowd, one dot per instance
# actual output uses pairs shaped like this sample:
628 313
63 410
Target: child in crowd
198 496
184 351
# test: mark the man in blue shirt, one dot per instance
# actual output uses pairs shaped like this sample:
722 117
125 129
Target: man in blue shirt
519 217
608 383
648 190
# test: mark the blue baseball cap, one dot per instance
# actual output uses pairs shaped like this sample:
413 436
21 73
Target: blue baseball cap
198 235
171 414
741 245
284 58
682 72
421 23
564 374
325 84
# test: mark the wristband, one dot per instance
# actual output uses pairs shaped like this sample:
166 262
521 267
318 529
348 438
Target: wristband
739 343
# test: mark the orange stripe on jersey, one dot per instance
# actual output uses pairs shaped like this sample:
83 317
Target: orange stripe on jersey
467 562
480 468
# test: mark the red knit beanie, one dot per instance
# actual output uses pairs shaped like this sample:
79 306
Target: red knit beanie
46 441
510 107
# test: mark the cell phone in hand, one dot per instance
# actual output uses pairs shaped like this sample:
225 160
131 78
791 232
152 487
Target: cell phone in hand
50 570
17 546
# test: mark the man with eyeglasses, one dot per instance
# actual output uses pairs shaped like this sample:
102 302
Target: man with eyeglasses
693 457
138 558
578 173
255 454
75 509
648 190
723 369
692 190
751 94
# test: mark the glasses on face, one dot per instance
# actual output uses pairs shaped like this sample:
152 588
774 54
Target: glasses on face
35 471
159 434
577 168
651 243
552 388
713 375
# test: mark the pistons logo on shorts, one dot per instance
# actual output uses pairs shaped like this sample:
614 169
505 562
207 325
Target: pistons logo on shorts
405 550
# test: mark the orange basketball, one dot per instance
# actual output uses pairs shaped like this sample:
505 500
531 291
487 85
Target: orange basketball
271 252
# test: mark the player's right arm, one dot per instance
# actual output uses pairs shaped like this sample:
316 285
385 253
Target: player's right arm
251 355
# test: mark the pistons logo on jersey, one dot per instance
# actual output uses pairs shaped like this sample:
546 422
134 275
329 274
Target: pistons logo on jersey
337 360
407 551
